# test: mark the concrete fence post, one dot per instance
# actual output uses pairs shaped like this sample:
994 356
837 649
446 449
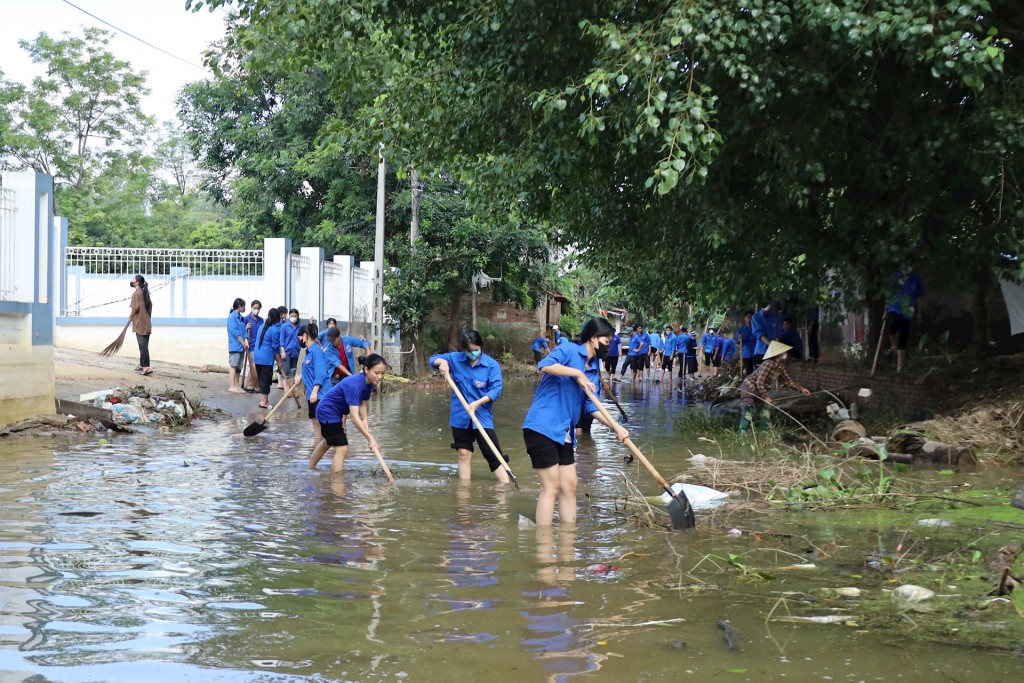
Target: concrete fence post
277 266
316 282
347 263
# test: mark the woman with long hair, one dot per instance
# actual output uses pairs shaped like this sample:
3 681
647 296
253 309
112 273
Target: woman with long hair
349 397
268 349
478 377
142 321
316 374
550 426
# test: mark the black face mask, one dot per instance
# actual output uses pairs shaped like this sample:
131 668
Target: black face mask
602 351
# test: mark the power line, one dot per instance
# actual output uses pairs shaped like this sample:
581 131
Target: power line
121 30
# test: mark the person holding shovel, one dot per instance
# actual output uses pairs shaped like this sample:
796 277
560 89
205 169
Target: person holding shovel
349 397
550 426
316 374
238 343
478 377
770 374
268 350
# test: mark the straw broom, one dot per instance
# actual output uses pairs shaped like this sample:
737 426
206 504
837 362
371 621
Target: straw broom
115 346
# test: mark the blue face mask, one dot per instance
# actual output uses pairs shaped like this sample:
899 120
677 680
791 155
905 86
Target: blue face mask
473 355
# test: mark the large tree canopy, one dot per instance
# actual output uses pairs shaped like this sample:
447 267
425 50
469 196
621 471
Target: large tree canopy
716 150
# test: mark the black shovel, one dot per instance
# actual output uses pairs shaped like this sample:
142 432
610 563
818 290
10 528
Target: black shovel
255 428
678 508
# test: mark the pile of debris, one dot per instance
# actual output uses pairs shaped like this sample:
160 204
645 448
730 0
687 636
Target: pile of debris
137 406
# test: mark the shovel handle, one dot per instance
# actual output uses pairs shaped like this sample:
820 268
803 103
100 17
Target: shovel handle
281 402
628 442
608 390
384 465
476 423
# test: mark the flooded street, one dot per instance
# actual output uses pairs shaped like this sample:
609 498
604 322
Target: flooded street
204 555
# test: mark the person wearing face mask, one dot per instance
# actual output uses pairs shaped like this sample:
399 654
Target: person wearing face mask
316 374
549 430
349 397
290 341
238 344
253 323
142 321
268 350
770 374
478 377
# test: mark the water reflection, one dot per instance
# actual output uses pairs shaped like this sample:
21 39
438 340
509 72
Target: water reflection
205 555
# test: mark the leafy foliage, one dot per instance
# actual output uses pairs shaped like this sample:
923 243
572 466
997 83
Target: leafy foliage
731 149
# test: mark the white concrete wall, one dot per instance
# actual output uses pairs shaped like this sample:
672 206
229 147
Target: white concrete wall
28 386
181 296
185 344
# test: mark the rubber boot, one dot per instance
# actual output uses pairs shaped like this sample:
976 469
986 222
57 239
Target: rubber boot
744 425
764 425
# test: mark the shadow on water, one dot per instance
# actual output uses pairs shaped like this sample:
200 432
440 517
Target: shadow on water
207 556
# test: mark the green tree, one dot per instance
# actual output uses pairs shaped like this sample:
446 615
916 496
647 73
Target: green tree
83 115
730 149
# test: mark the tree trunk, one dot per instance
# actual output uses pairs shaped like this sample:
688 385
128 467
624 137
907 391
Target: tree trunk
979 311
417 353
414 228
474 307
454 322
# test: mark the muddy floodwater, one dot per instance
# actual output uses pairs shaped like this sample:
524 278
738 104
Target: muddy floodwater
206 556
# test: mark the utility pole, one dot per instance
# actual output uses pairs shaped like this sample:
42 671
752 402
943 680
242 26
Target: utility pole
377 333
414 228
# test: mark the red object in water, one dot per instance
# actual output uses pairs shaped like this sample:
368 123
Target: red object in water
115 399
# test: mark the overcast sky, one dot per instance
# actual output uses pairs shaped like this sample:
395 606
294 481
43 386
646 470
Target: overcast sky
163 23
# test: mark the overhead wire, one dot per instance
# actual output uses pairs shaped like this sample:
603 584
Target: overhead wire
132 36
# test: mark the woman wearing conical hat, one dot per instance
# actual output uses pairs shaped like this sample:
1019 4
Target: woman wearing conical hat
770 374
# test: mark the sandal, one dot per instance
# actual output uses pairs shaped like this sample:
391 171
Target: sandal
146 373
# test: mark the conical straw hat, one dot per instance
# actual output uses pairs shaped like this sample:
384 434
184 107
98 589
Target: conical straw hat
776 348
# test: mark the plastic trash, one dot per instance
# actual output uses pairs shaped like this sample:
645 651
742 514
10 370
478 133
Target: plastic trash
700 497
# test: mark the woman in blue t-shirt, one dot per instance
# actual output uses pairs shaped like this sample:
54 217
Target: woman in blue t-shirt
268 350
316 374
550 426
349 397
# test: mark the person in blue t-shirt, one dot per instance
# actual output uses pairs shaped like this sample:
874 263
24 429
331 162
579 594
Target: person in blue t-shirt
708 345
478 377
668 354
791 336
638 353
902 310
656 348
350 397
331 322
539 347
747 342
268 351
316 374
238 344
611 361
290 342
549 430
767 326
689 368
728 349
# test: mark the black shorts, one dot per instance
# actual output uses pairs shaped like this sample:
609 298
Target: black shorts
334 433
666 362
537 356
609 364
265 373
463 439
899 327
707 359
546 453
716 361
312 409
637 362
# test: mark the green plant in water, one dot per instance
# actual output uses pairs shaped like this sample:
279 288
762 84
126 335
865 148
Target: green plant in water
830 489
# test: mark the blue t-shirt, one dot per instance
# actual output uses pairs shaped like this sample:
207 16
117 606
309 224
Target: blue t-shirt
908 289
556 404
728 348
236 329
539 343
655 341
290 338
351 343
316 371
336 403
475 382
255 322
765 324
268 345
639 344
749 341
792 337
613 346
670 344
708 341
